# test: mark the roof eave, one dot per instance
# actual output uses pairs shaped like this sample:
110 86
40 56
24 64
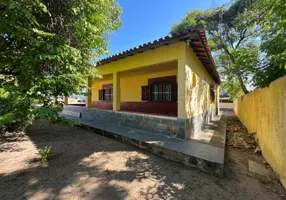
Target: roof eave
148 46
197 40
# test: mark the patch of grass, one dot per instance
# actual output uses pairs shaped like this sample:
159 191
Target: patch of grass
45 153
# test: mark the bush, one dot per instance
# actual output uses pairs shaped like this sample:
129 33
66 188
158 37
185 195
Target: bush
45 153
15 112
12 122
52 114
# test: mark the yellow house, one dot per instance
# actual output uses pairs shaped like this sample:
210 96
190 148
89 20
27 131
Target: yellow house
174 78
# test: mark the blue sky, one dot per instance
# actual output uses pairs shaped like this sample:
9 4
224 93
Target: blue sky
147 20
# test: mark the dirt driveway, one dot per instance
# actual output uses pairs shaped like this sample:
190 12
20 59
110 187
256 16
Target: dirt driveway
90 166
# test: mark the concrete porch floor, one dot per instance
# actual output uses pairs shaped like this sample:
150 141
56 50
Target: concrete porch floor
214 133
155 114
205 152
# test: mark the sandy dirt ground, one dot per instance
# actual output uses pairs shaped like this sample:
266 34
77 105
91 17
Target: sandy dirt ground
89 166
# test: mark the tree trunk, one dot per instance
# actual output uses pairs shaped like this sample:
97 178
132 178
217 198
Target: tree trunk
239 75
244 89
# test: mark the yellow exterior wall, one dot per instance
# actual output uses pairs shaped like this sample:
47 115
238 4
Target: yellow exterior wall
197 97
182 83
264 111
190 101
131 81
97 85
89 94
116 91
162 54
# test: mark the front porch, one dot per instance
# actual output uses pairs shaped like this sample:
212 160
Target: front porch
160 135
160 96
150 89
163 125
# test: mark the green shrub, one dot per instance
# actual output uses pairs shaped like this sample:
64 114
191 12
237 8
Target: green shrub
52 114
45 153
13 122
15 111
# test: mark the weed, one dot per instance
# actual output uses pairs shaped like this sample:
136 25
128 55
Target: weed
45 153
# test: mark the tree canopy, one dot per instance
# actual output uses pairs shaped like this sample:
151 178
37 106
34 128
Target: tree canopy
244 38
48 47
270 15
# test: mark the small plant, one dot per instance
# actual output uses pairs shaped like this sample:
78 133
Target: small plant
52 114
45 153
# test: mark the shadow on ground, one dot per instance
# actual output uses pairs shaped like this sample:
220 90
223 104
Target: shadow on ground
90 166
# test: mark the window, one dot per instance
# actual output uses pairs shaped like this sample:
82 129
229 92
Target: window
162 91
105 94
108 94
145 93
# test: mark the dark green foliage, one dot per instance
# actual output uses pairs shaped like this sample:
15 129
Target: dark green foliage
15 112
48 48
247 39
270 72
270 15
51 113
229 36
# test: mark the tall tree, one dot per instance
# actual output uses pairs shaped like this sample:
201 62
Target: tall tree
270 15
48 46
231 36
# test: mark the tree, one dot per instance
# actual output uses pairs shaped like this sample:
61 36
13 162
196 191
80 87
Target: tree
270 15
230 35
246 60
232 38
48 46
247 39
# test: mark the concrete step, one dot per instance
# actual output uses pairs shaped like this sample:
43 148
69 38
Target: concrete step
207 158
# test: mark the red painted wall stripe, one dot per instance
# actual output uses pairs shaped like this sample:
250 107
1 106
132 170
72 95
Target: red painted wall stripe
166 108
172 79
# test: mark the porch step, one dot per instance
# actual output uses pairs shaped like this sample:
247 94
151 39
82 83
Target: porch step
206 157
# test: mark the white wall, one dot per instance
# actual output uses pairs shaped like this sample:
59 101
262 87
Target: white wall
226 105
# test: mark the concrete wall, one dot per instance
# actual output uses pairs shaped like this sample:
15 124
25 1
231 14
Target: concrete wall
264 111
198 104
169 126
